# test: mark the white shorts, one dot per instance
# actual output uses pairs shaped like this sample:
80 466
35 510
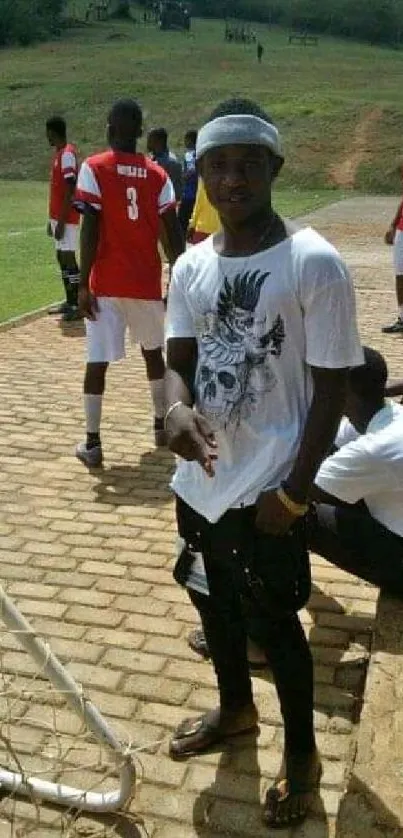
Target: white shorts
106 335
398 252
69 242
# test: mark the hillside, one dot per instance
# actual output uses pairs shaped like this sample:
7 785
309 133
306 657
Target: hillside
339 104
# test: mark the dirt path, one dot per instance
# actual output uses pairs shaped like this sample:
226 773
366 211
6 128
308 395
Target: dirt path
343 173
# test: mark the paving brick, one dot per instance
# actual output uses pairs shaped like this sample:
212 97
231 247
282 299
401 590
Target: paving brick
41 607
195 672
133 661
76 650
138 605
102 568
33 589
169 647
53 549
95 599
95 676
122 586
155 713
153 625
114 637
162 689
232 786
65 579
93 616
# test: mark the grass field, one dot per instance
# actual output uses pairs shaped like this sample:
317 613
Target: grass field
336 103
339 106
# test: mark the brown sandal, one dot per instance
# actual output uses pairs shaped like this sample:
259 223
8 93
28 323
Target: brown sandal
196 736
289 799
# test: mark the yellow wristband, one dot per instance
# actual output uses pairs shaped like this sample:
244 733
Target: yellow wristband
297 509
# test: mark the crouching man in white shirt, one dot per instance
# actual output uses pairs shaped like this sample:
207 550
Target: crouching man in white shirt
358 523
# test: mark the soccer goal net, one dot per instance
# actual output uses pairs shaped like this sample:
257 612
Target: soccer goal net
55 745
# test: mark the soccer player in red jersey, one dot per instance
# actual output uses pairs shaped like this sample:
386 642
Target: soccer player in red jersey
63 224
127 201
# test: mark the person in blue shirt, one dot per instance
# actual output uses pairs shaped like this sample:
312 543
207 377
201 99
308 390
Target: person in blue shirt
157 146
189 181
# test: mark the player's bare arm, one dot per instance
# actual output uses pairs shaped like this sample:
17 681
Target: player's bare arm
89 239
189 434
70 186
390 233
172 235
275 514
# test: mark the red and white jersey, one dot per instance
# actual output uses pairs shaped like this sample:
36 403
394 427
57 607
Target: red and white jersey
64 167
130 192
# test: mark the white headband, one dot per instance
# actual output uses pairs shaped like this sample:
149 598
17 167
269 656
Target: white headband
238 129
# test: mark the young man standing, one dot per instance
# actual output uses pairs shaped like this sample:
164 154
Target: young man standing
124 197
189 181
261 331
157 146
394 236
63 224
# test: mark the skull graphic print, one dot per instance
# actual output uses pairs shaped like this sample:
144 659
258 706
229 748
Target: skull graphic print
234 374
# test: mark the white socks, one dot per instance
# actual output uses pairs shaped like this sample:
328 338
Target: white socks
157 388
93 412
400 312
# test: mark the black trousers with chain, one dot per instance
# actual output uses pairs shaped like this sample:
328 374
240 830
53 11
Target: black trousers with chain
262 580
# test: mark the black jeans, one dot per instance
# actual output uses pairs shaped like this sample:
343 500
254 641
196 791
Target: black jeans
262 580
360 545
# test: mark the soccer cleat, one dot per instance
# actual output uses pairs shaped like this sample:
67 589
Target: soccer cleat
71 315
160 436
395 328
91 457
59 308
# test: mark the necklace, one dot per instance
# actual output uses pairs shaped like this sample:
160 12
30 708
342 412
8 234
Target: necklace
243 269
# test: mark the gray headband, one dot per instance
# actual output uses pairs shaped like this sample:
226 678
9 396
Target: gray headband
238 129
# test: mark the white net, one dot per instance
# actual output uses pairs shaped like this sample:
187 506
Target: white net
58 755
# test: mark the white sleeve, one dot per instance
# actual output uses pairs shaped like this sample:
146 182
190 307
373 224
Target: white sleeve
352 474
88 190
166 198
346 433
328 302
179 321
69 164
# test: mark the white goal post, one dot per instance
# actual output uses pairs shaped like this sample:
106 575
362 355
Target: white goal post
50 667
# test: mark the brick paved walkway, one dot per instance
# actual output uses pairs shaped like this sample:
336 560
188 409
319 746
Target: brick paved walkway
89 558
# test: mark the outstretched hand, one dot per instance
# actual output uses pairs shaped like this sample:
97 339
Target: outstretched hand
192 438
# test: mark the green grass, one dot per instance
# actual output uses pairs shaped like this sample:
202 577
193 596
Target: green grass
319 95
30 277
29 274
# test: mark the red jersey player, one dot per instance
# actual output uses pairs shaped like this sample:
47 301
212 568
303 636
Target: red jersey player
64 220
126 200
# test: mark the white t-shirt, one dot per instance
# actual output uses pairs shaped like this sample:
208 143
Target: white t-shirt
260 322
370 468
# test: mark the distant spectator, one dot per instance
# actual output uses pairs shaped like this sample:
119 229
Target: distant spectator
157 146
260 51
189 180
394 235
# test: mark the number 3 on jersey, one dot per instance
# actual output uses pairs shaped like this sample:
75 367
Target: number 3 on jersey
132 206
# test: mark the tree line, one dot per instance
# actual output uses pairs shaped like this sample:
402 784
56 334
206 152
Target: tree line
374 21
25 21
